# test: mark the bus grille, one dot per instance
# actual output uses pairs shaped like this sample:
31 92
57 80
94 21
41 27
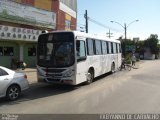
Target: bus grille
55 70
53 80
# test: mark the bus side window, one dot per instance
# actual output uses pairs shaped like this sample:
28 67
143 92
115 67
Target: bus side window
90 47
104 47
112 48
109 47
81 51
98 47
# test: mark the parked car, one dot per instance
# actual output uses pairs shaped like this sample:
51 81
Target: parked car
12 83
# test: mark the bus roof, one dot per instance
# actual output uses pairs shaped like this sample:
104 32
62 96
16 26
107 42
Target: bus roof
94 36
87 35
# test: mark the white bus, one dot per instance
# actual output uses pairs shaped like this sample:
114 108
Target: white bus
72 57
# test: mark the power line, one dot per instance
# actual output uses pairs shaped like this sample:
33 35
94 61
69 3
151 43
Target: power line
79 24
102 25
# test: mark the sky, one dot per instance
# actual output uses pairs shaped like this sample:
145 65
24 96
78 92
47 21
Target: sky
121 11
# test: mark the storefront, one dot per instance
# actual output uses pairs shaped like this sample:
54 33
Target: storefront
20 45
8 50
20 26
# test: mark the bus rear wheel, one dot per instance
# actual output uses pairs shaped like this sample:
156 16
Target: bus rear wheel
90 77
112 68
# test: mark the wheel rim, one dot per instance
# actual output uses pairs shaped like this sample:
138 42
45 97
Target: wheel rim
13 93
113 68
89 77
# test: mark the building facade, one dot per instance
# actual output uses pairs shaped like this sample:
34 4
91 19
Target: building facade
21 22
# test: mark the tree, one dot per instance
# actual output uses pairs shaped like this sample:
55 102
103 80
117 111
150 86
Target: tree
127 46
140 47
152 43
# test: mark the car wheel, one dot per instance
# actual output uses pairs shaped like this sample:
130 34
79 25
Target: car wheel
13 92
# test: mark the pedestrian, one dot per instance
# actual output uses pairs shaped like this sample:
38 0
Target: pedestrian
133 59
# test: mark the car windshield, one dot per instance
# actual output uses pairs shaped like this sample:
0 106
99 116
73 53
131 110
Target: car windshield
56 50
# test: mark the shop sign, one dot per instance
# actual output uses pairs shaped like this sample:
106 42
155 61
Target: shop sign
16 33
28 15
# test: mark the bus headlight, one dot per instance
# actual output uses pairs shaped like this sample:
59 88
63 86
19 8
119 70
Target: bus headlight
69 73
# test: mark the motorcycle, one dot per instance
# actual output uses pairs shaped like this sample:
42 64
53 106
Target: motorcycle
18 64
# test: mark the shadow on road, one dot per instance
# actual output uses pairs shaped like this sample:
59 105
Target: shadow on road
38 90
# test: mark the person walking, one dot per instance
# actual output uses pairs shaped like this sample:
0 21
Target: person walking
133 60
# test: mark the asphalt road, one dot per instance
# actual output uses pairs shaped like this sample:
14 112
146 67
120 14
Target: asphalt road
135 91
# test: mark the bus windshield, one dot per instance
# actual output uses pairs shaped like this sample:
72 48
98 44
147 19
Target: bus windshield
55 50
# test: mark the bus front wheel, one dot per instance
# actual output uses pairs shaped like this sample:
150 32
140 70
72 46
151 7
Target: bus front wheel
90 77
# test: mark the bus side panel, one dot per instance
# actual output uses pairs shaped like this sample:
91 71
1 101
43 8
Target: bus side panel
81 72
98 63
103 65
94 62
109 62
115 59
119 59
106 63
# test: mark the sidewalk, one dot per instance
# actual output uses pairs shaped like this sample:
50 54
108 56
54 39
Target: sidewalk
137 64
31 74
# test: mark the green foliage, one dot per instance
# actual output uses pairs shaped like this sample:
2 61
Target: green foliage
152 43
140 47
158 46
128 58
126 44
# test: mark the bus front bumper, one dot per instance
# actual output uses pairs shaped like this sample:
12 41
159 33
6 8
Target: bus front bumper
55 80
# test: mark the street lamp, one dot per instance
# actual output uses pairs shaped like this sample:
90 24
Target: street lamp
125 30
125 26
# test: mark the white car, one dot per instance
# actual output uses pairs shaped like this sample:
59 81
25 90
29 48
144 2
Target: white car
12 83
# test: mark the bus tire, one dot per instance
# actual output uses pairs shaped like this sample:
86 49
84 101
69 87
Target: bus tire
112 68
90 77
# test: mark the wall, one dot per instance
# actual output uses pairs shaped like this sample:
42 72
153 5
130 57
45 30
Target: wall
72 4
6 60
74 23
29 60
28 2
60 20
61 17
44 4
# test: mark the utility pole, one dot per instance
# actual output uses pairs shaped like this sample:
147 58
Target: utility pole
125 30
86 17
109 34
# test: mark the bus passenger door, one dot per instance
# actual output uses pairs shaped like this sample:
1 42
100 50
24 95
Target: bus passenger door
81 61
